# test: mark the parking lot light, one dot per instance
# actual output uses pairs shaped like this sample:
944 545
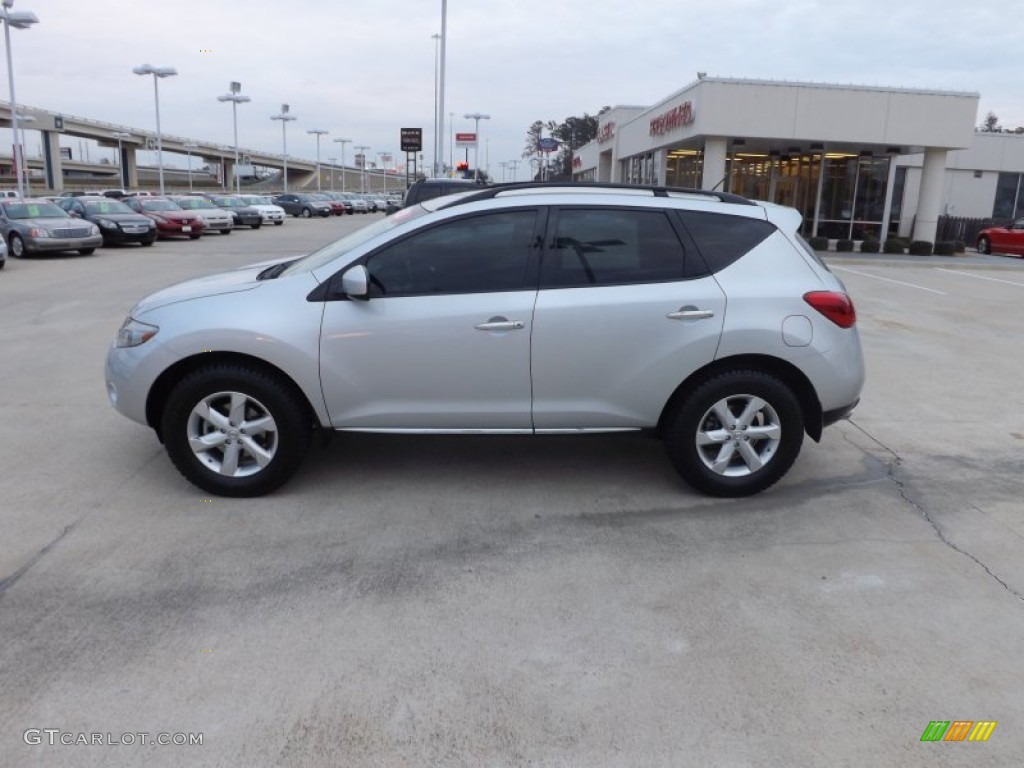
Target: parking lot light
343 142
18 20
120 136
189 146
157 73
235 98
285 118
477 116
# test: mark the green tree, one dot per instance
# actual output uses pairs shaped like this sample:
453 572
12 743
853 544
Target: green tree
991 124
571 133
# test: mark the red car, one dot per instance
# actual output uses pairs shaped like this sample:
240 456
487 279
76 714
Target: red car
1003 239
337 208
171 219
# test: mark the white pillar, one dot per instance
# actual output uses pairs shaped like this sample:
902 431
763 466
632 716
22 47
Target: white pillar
890 186
930 198
715 151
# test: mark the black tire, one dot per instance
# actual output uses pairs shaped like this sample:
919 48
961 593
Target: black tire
3 263
147 243
194 237
257 225
984 246
695 415
278 223
225 231
16 246
265 393
306 213
87 251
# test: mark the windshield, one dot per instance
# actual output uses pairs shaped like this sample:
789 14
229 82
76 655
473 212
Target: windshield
34 211
106 206
159 205
192 203
256 200
333 250
229 201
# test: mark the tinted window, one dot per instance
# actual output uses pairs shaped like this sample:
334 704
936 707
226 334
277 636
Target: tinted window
470 255
33 211
608 247
106 206
722 238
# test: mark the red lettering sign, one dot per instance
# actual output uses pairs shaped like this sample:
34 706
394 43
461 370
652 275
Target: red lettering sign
674 118
606 132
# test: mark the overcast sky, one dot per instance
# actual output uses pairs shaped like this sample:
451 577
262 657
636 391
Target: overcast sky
362 70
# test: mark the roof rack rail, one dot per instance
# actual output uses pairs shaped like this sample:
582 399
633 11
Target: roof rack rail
494 190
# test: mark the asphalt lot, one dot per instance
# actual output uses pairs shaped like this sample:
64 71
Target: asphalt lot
420 601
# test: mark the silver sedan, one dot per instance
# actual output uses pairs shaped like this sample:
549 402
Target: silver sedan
40 226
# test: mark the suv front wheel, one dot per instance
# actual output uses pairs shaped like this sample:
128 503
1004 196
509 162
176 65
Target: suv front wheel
736 434
235 430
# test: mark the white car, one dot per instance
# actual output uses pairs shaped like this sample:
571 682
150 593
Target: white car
213 216
271 213
517 309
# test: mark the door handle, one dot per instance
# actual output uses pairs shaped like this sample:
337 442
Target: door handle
500 324
690 313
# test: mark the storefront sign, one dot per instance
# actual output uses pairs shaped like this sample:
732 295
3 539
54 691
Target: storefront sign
577 162
465 139
674 118
606 132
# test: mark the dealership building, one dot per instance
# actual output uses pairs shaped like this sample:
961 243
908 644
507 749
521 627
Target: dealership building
856 161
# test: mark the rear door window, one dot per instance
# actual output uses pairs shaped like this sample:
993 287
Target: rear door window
723 238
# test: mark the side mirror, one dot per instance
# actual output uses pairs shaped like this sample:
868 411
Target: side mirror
355 282
75 214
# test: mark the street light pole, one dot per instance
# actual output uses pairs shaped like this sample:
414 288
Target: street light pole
362 171
343 142
285 118
477 116
157 73
319 132
189 146
18 20
334 169
437 114
439 110
235 98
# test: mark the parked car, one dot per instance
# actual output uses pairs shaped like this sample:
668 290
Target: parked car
213 216
377 203
272 214
171 220
343 199
3 253
1008 239
302 204
337 207
427 189
39 226
116 221
244 215
508 310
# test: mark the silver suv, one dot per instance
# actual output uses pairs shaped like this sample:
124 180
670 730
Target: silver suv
514 309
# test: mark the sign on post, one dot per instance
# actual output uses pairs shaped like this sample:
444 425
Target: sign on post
547 145
465 140
412 139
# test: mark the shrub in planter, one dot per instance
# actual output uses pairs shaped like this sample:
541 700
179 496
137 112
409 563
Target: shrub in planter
894 245
870 246
945 248
921 248
818 243
844 245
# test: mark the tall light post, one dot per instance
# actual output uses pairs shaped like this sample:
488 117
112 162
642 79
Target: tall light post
120 135
503 165
362 171
18 20
343 142
383 160
514 165
451 142
440 82
334 169
477 116
235 98
437 115
189 146
319 132
24 120
285 118
157 73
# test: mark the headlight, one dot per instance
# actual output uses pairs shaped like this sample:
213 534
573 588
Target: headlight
107 224
38 232
133 333
94 230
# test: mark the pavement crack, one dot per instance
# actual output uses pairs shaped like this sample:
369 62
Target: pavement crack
13 579
893 468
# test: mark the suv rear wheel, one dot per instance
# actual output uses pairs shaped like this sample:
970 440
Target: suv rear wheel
235 430
736 434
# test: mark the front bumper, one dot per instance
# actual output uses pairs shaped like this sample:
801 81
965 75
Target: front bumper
49 244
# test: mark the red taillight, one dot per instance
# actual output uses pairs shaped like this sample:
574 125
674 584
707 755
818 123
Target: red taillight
837 307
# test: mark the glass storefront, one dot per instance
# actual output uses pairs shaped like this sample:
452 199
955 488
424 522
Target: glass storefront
1009 192
852 190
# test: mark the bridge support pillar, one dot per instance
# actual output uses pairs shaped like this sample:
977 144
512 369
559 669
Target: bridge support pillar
52 166
129 168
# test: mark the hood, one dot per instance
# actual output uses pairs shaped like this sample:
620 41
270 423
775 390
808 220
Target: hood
243 279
